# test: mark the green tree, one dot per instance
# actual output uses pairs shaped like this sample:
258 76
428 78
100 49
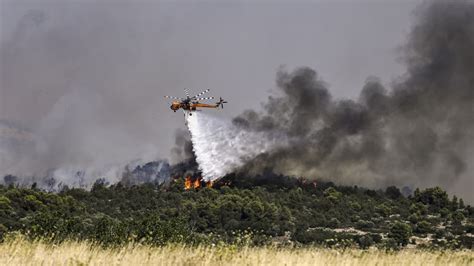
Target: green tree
393 192
5 206
110 232
334 223
32 203
332 194
461 204
423 227
435 197
362 224
400 232
383 209
414 218
454 203
458 217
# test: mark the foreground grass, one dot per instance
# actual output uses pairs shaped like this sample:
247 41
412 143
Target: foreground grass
22 252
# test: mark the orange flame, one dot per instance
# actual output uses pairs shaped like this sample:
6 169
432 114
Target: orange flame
197 183
187 183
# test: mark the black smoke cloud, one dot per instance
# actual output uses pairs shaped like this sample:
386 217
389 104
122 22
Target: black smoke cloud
418 133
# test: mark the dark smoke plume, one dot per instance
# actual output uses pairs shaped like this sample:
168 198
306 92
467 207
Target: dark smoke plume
419 132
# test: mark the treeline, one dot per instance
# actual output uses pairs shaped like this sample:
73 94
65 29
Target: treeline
261 210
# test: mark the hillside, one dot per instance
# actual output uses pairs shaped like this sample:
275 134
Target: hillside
268 209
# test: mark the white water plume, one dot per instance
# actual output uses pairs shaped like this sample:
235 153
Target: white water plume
220 147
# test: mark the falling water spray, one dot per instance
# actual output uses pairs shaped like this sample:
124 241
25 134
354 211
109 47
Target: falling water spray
221 147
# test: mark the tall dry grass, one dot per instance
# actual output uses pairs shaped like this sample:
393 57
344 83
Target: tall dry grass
22 252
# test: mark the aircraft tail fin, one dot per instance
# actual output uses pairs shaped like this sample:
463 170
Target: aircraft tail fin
220 103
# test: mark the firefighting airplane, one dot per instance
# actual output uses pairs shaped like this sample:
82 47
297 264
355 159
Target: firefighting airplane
190 104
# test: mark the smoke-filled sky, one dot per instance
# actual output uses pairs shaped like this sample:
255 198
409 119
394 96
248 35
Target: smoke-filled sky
82 82
88 79
418 131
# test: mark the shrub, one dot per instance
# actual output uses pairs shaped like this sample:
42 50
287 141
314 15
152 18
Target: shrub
400 232
423 227
362 224
365 241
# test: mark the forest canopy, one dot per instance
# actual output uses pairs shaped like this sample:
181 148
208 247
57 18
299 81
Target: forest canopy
240 210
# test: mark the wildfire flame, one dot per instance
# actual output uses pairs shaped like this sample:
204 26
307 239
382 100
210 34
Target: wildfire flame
209 184
188 183
196 183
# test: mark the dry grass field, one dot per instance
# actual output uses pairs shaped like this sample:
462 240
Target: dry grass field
22 252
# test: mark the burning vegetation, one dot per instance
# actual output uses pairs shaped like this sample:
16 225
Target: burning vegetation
191 182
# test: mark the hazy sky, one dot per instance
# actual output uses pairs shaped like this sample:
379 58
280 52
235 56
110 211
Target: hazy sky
89 78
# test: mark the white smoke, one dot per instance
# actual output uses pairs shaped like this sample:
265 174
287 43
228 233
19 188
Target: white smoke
72 176
221 148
